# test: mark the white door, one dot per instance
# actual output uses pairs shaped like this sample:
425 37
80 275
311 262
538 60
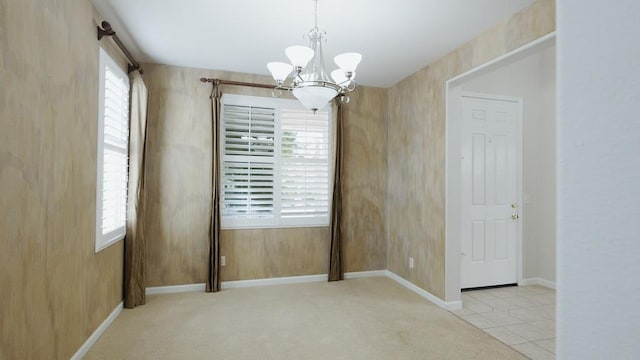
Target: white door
490 191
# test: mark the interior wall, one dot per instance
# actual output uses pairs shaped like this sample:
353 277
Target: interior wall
598 177
364 180
178 189
416 149
546 206
532 78
55 290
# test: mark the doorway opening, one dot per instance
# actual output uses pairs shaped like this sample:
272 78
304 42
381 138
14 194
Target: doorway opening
527 73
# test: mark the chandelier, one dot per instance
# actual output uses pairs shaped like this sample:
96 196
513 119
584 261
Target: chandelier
310 83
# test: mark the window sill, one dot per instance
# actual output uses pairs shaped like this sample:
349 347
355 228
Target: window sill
258 227
106 244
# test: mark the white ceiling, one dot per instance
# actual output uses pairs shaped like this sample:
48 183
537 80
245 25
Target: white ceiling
395 37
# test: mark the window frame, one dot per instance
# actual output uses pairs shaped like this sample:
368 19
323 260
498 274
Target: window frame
229 222
103 241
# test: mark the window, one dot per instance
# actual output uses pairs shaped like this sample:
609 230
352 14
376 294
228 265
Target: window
113 139
274 163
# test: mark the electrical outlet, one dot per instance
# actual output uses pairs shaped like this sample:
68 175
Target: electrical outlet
223 260
410 263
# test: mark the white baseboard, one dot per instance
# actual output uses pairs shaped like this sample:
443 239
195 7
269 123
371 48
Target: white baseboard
273 281
365 274
447 305
259 282
538 281
84 349
175 289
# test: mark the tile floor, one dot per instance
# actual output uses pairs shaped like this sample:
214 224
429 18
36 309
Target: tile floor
522 317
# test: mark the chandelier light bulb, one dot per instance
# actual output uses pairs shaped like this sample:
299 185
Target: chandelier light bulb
279 70
348 62
299 55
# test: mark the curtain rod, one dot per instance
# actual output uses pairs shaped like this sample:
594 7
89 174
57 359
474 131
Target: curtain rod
107 31
236 83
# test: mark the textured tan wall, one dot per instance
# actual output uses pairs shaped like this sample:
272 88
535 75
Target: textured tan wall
178 176
178 189
266 253
54 289
416 149
365 181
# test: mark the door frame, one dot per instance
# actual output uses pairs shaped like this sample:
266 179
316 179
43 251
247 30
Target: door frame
519 169
452 163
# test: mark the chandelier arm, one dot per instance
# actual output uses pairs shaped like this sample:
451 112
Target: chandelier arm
344 83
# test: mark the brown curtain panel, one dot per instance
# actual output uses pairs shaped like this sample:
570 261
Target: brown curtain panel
213 277
336 271
134 242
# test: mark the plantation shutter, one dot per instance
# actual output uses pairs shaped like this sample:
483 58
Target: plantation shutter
304 167
113 143
248 161
116 138
274 163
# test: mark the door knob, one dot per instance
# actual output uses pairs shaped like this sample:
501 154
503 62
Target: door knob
515 216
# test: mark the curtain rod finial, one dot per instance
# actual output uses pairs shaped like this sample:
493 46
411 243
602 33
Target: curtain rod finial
106 30
106 25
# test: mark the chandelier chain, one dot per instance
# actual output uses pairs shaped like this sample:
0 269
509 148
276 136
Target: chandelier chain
316 13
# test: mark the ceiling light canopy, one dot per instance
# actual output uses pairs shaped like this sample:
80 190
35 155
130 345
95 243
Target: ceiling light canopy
310 82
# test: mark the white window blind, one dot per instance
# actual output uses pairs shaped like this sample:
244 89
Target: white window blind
305 164
275 163
113 138
248 166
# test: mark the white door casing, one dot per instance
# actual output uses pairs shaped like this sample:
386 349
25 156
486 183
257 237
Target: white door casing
490 190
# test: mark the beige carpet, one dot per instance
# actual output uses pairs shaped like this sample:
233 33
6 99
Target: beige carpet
371 318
